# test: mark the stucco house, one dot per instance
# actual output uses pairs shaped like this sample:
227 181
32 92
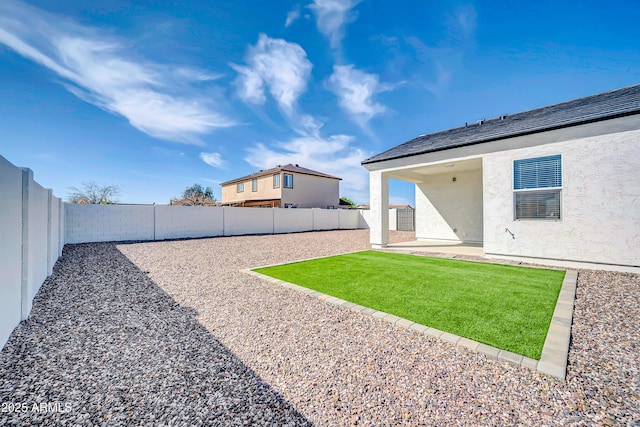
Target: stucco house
554 185
285 186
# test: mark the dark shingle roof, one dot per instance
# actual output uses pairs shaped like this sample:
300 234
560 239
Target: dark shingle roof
281 168
608 105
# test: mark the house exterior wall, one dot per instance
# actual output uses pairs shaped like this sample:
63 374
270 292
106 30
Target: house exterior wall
450 210
311 191
265 190
600 203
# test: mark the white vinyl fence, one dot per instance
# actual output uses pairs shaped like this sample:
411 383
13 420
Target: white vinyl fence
31 240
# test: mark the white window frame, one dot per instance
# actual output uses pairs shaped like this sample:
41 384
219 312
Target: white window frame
240 187
276 180
285 180
538 190
254 184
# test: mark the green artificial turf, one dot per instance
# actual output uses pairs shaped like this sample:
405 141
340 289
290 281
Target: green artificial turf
504 306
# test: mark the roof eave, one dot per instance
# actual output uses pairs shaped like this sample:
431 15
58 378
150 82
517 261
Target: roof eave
514 135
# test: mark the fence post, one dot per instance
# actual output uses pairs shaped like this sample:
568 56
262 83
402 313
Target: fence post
154 221
49 236
27 176
62 222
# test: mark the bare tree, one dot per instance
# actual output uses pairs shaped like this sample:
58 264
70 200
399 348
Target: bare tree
92 193
196 195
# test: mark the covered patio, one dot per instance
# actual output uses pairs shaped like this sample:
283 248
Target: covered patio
449 208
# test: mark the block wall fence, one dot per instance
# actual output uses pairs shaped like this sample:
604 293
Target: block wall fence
31 240
106 223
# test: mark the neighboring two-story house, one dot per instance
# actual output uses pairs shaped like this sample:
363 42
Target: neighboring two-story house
288 186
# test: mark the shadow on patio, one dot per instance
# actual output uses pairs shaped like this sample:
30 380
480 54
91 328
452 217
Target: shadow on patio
438 246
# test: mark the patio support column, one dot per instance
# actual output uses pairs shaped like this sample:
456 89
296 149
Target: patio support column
379 215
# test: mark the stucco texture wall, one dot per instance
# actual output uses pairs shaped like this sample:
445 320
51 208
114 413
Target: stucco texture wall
448 209
264 191
600 203
312 192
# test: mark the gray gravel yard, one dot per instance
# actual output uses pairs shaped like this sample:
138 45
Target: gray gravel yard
171 333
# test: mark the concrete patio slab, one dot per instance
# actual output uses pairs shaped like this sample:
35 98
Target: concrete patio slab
438 246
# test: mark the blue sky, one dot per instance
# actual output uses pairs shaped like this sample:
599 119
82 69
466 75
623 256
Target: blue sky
154 96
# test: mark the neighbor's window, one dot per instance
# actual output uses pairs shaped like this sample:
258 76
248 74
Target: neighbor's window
276 180
537 184
254 184
240 187
288 180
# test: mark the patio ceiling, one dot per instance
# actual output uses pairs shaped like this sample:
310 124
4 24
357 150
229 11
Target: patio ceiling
419 173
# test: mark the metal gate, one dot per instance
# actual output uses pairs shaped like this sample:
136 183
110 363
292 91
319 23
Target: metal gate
405 220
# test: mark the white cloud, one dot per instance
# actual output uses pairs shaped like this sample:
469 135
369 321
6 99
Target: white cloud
462 24
355 90
212 159
333 155
442 80
157 99
332 16
196 75
292 16
250 85
279 66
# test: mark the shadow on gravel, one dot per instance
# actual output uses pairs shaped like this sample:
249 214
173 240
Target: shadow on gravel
105 345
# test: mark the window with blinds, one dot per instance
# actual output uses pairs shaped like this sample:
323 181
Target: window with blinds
288 180
537 186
